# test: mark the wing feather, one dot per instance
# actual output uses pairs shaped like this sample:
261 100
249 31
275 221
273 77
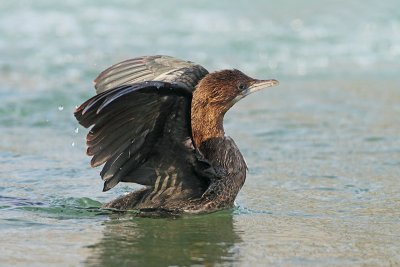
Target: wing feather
140 122
146 68
147 137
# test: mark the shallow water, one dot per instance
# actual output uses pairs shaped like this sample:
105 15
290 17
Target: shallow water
323 148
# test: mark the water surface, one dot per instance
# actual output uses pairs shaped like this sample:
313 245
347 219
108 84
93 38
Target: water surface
323 148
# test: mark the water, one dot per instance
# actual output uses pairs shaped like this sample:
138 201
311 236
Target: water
323 148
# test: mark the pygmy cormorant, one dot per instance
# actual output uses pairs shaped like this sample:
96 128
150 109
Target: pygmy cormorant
158 121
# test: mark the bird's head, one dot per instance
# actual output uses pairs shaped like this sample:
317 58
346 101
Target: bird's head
222 89
215 94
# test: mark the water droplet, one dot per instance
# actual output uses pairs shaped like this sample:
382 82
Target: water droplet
60 107
77 130
73 144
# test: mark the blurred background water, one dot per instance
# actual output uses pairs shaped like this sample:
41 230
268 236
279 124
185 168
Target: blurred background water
323 148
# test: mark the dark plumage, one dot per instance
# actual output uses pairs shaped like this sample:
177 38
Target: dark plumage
158 121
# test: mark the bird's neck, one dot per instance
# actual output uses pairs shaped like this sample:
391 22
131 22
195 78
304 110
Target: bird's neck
207 121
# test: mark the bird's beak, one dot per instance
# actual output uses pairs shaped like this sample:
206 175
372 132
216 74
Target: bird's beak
257 85
261 84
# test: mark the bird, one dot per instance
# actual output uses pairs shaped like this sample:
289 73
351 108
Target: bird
157 121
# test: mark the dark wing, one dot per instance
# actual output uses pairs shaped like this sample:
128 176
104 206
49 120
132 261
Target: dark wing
142 132
147 68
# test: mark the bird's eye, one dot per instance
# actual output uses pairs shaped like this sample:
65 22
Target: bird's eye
242 86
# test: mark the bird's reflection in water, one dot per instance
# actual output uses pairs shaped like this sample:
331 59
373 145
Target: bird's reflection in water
192 240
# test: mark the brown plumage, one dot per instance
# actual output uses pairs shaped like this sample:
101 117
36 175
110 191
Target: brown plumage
158 121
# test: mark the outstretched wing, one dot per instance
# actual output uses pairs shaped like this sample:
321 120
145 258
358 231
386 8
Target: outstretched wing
142 132
150 68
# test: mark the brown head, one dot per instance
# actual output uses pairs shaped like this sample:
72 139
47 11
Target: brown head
215 94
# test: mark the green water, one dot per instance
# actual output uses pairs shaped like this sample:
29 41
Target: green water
323 148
